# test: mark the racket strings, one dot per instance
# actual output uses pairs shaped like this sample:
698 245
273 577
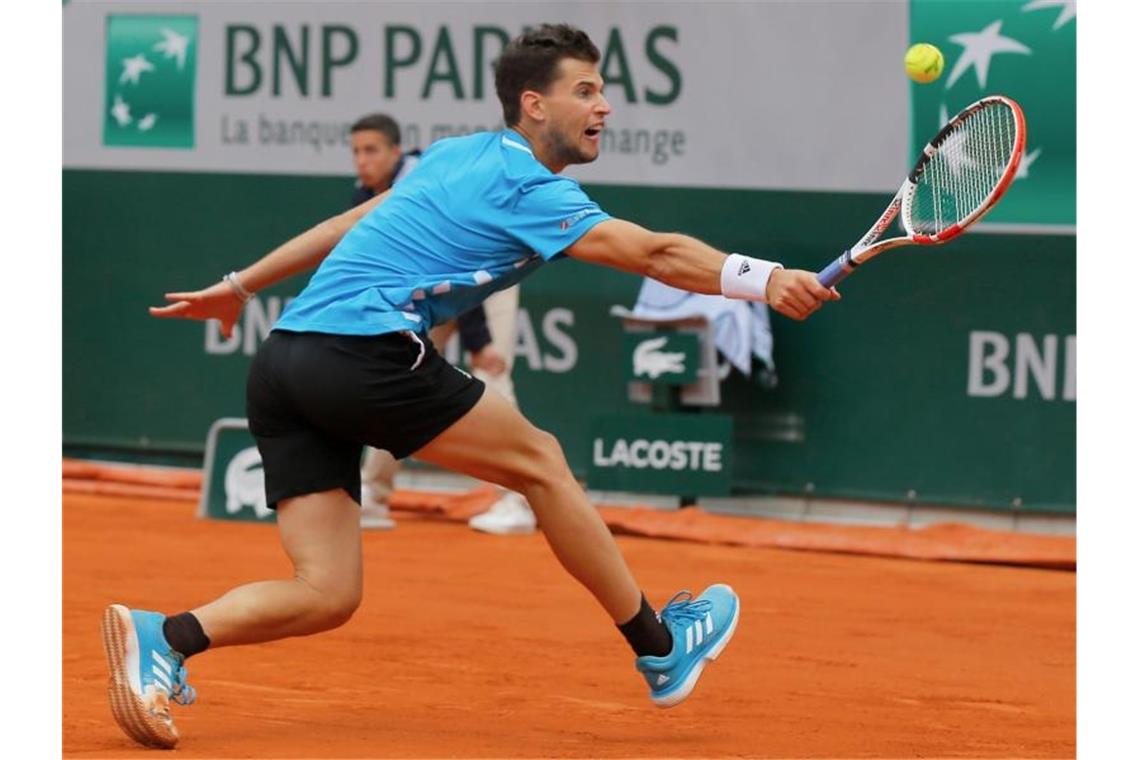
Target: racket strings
965 169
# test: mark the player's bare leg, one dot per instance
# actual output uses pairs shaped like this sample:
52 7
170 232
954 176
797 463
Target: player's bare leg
321 534
494 442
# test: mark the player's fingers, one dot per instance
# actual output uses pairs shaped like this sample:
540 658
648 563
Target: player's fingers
835 295
173 310
789 309
800 299
178 296
818 291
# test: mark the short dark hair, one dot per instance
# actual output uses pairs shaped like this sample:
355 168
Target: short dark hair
379 122
530 62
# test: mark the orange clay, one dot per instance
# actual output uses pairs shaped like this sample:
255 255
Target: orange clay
470 645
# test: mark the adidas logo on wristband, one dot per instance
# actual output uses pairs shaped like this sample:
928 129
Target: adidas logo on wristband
745 277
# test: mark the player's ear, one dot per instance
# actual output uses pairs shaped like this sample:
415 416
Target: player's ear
533 105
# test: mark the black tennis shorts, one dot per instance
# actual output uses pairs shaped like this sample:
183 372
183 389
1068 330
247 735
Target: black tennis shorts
314 400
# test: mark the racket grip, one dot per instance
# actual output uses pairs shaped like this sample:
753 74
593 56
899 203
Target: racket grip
836 271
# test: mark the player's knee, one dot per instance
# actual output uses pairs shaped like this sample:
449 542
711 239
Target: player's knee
337 609
548 462
341 610
333 604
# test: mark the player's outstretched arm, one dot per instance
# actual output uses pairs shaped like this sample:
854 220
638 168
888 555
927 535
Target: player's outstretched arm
224 300
687 263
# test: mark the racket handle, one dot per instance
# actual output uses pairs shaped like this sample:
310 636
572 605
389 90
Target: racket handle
837 270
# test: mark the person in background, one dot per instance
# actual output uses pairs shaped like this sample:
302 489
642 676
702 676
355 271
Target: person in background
487 333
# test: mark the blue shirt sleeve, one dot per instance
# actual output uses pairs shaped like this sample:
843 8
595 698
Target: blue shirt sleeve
551 215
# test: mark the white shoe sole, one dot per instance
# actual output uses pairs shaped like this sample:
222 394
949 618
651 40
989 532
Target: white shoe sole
504 530
690 681
121 646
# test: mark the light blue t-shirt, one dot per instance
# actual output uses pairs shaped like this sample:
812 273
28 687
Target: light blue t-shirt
477 215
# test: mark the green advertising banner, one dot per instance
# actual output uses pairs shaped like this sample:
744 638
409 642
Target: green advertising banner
944 376
1026 51
680 454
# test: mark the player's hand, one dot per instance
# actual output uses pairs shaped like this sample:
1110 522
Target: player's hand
215 302
488 360
796 293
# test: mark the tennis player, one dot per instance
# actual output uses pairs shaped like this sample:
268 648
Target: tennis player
348 364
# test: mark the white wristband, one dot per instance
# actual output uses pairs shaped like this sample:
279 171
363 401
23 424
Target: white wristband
746 278
242 294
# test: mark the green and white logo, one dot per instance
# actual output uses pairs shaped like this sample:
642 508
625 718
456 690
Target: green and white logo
662 357
233 482
661 453
149 95
1026 50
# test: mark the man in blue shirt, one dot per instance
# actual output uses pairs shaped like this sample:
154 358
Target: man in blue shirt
348 364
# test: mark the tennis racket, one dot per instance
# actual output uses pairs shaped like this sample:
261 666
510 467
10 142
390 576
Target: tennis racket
961 174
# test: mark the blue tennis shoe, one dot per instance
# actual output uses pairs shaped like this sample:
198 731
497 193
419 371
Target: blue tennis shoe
146 675
701 629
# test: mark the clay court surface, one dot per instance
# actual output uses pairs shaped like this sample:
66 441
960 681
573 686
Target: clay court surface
470 645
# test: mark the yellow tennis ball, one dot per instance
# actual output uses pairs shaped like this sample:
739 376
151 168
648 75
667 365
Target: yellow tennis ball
923 63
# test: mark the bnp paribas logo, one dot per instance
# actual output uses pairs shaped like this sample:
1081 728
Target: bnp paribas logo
149 98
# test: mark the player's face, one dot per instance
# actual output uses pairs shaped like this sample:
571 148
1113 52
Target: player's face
375 158
577 112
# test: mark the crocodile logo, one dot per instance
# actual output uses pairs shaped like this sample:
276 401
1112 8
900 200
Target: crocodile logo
650 360
245 484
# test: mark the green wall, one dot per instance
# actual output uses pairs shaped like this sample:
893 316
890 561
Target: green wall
872 396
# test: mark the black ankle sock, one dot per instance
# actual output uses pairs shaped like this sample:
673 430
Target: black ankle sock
184 634
646 634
